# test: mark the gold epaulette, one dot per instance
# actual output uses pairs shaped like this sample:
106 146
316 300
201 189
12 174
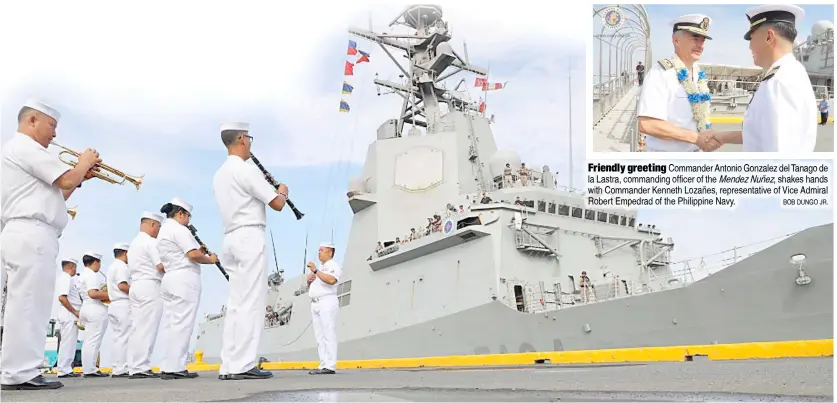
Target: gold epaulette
666 64
770 73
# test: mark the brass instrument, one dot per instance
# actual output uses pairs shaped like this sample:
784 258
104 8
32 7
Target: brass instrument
79 325
98 168
105 289
72 211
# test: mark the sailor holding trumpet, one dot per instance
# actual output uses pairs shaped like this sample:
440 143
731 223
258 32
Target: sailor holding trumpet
94 312
34 189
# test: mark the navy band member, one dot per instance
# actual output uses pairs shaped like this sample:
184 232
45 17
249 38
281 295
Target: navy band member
322 290
181 287
33 189
674 100
146 270
68 314
782 115
119 310
242 193
94 313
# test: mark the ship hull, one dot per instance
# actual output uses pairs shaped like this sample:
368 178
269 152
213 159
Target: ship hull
755 300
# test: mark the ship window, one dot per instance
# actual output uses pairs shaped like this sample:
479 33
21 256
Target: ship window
552 208
344 300
518 298
344 287
564 209
602 217
631 222
577 212
590 214
614 219
572 283
624 220
541 206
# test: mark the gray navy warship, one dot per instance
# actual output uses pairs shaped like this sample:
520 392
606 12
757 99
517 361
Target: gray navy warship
451 253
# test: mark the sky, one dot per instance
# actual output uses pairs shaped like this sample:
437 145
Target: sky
149 89
729 24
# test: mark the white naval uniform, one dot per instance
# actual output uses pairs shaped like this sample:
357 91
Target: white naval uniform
324 309
119 316
180 290
94 317
67 285
33 216
242 193
146 305
663 97
782 115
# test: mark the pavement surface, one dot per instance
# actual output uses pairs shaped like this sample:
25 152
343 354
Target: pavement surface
805 379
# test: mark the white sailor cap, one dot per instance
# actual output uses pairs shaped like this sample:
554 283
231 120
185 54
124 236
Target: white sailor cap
70 260
95 255
121 246
237 126
43 108
182 203
773 13
327 245
152 216
694 23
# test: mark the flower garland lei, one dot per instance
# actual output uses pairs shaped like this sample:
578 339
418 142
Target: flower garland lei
699 96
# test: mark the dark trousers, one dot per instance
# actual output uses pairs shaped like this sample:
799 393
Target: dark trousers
823 118
639 77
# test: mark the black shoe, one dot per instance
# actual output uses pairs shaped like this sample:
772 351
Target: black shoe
36 383
70 375
178 375
144 375
122 375
254 373
321 371
97 374
315 371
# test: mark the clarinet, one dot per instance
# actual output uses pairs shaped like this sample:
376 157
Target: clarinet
275 185
195 234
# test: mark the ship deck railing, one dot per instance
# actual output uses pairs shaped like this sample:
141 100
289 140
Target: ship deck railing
614 123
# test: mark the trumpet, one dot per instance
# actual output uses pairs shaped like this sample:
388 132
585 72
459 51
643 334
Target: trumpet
72 211
79 325
105 289
269 178
98 168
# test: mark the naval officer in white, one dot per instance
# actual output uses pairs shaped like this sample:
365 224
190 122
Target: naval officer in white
181 286
119 310
94 312
242 192
782 115
33 189
322 289
68 314
146 270
674 100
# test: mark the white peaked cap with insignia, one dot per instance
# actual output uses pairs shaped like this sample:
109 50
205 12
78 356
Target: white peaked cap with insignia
121 246
43 108
182 203
152 216
327 245
238 126
70 260
759 15
94 255
694 23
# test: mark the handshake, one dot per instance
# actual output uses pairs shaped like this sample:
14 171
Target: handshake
709 140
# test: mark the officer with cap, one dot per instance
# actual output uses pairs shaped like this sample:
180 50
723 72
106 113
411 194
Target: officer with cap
673 109
119 310
782 115
322 290
94 313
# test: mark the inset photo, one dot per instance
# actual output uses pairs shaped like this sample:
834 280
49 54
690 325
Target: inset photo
718 78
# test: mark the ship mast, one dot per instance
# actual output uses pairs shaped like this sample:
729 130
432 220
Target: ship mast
429 55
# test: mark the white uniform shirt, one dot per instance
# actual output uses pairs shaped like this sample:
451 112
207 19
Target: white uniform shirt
663 97
29 171
782 115
91 280
143 258
117 273
318 287
241 192
173 242
67 285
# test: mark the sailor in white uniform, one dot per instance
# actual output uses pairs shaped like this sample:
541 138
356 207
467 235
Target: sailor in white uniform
33 188
94 312
673 109
146 270
181 287
242 192
68 314
119 310
322 290
782 115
